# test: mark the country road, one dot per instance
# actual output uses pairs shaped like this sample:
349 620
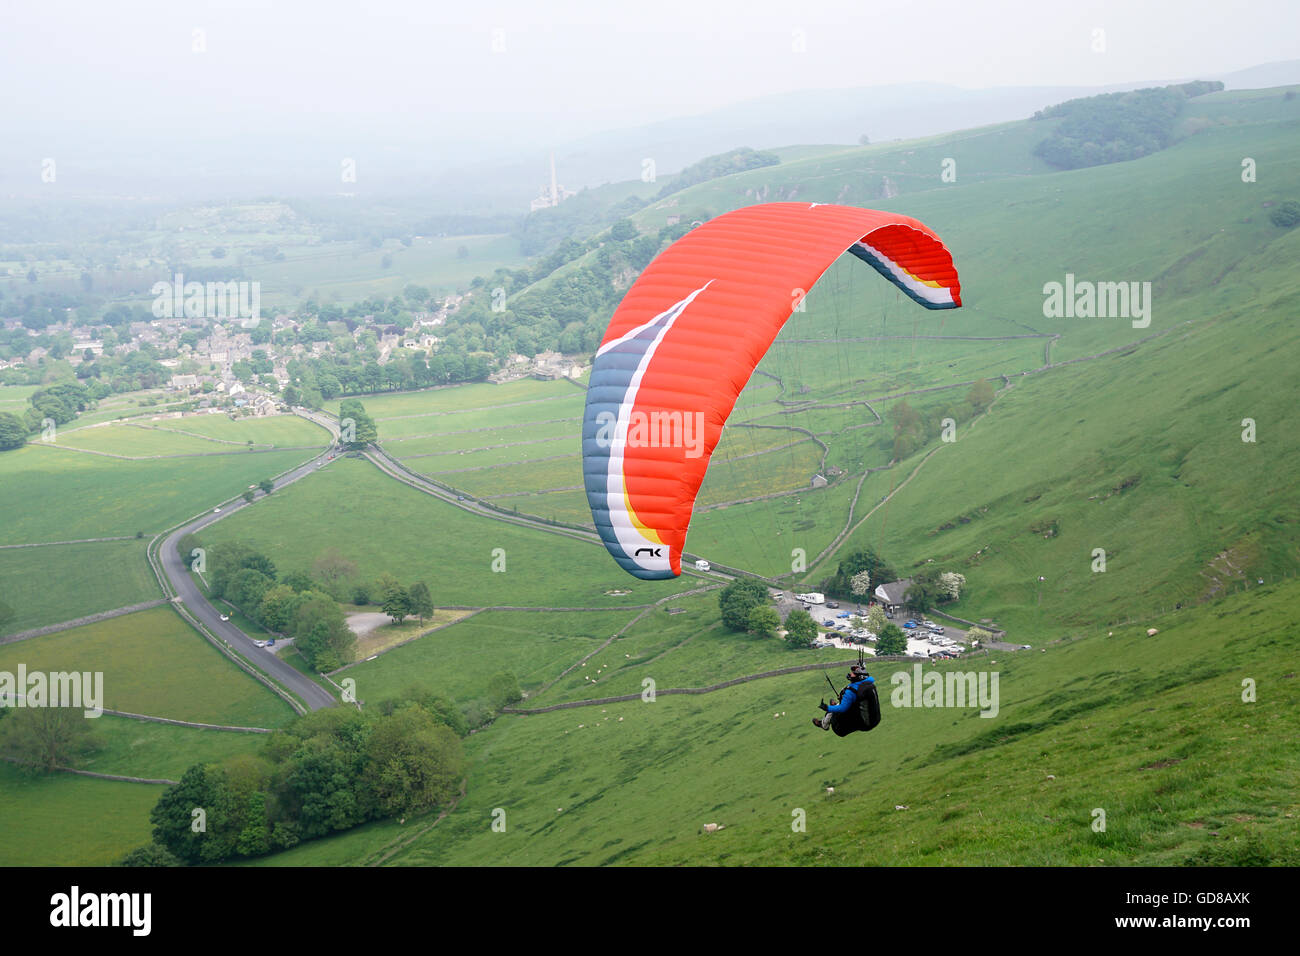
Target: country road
177 571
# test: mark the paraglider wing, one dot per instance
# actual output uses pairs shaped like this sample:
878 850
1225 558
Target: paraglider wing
687 337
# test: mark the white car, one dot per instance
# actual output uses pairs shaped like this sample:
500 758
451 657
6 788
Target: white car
225 617
216 511
260 643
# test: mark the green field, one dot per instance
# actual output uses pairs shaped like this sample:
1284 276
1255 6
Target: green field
154 663
458 661
89 496
60 819
139 748
384 526
62 582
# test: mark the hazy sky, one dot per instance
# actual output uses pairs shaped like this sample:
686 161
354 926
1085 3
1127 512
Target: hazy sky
139 73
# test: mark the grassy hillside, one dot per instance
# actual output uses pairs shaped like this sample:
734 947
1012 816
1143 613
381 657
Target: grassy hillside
1153 730
1135 446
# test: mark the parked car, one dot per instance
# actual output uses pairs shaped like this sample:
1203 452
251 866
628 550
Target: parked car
225 617
832 605
909 624
271 642
260 643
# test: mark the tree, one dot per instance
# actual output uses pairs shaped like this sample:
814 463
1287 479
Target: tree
332 567
866 559
801 627
1286 215
860 583
45 738
977 635
277 607
762 620
981 394
503 689
397 602
864 140
908 429
249 495
267 485
13 432
421 601
246 588
364 430
951 583
322 632
890 640
623 230
149 855
876 619
925 591
412 762
173 815
298 580
736 599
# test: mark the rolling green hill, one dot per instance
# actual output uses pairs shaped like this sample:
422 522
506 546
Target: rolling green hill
1103 435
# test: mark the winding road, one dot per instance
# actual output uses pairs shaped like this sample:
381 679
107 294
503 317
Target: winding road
177 571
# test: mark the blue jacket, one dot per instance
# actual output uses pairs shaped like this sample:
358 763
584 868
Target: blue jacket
849 699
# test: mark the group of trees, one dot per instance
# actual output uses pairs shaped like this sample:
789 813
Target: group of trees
358 428
42 739
841 584
913 429
746 606
723 164
329 770
567 314
399 603
60 403
930 587
290 604
1114 127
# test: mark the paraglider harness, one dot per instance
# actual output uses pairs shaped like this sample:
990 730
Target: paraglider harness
866 714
